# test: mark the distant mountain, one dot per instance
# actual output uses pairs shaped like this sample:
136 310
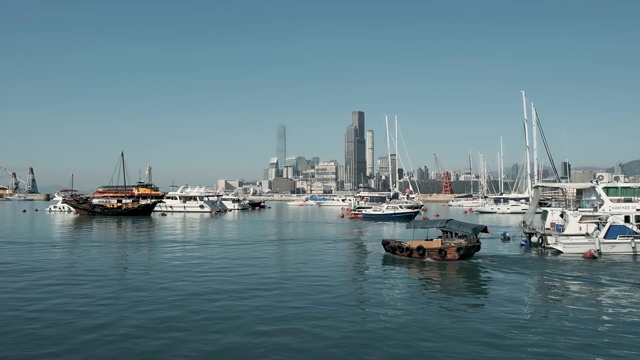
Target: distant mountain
632 168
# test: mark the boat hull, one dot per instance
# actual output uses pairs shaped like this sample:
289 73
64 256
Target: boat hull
389 216
84 206
430 249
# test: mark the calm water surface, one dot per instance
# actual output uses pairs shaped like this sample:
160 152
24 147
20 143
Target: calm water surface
296 282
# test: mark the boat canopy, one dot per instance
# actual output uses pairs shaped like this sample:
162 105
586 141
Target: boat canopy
455 226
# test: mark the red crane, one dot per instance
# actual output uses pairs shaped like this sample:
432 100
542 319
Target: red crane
445 178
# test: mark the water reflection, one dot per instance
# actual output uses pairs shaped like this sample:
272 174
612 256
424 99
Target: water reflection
458 278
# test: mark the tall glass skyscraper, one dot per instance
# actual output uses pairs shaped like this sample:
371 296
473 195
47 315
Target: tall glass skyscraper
355 161
281 145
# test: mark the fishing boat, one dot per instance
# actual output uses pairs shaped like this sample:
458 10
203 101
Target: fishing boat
389 212
114 200
457 240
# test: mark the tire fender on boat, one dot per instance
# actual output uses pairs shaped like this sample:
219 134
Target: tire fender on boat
460 250
408 250
421 250
442 253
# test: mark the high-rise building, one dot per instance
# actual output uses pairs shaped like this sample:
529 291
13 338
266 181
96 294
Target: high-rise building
370 161
566 170
355 161
281 145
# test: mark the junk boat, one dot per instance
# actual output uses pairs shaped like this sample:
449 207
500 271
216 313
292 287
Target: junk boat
457 240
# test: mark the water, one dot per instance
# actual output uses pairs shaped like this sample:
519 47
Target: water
296 282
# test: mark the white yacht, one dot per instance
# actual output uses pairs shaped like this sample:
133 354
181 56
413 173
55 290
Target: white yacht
337 201
191 200
599 216
233 202
505 204
59 206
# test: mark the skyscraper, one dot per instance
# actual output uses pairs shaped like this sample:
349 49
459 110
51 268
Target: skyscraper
370 161
355 161
281 145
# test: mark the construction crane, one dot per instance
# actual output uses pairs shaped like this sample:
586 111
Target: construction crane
14 184
445 178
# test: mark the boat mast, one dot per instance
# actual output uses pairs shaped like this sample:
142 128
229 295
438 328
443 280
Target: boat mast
124 171
534 127
501 163
471 173
386 121
397 155
526 140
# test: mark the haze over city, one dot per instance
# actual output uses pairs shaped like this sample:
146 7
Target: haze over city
197 89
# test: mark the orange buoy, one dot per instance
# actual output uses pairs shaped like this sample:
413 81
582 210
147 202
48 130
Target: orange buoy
425 218
436 214
470 209
341 215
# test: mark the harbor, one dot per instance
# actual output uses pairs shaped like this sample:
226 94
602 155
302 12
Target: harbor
284 281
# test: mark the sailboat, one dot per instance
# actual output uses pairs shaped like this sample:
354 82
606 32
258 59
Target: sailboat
118 200
513 203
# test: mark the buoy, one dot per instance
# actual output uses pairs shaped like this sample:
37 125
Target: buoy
425 218
436 214
470 209
464 212
341 215
590 254
36 210
214 212
425 209
24 210
342 208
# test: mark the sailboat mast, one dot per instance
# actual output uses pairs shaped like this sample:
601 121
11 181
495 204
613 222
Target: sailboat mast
124 171
534 127
397 155
526 140
501 163
386 121
470 172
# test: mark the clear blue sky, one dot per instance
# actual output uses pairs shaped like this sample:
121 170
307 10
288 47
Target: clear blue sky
197 88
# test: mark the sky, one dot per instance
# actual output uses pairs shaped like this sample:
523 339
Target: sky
196 89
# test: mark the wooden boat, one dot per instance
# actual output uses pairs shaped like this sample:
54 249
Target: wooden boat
457 241
87 205
118 200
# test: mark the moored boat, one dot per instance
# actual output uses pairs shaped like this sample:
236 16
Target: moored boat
457 241
191 200
117 200
389 212
87 205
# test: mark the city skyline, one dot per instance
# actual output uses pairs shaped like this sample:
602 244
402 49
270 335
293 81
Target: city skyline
195 89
